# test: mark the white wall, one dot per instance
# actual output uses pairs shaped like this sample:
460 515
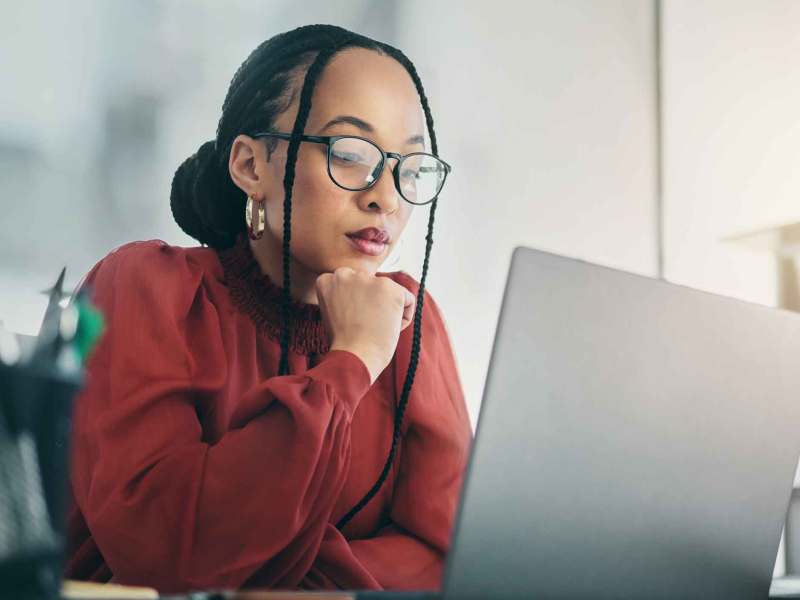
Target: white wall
732 138
546 112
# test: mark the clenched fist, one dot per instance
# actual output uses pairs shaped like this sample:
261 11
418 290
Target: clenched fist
364 314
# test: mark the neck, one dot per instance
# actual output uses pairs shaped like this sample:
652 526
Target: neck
268 252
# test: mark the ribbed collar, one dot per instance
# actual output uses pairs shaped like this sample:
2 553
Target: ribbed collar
255 294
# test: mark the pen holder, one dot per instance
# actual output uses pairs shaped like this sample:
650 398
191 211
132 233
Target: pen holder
35 423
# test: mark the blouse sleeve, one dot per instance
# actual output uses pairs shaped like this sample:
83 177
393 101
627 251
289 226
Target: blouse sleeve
409 552
156 497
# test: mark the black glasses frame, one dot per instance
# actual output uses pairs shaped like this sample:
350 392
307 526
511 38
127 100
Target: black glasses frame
329 140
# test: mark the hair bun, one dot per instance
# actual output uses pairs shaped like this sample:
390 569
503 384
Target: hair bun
204 200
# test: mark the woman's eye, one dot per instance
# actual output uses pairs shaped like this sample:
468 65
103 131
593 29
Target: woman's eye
347 158
409 174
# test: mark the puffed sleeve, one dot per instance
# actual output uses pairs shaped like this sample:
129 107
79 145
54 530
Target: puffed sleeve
409 552
167 508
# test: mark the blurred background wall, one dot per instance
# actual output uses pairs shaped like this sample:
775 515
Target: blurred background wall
631 133
731 121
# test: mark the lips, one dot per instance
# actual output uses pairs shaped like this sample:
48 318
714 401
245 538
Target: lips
371 234
370 240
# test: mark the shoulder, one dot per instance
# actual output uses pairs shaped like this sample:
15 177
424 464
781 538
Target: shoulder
153 260
151 271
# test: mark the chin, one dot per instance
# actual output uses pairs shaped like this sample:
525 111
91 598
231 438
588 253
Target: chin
366 264
369 265
362 262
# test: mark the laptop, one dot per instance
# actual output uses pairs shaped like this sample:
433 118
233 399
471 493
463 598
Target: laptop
637 439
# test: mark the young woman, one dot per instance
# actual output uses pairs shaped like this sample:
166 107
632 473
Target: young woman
237 432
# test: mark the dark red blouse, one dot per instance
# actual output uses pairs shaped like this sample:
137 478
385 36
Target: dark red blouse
195 466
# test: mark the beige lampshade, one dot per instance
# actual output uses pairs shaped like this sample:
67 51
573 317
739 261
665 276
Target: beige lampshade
784 242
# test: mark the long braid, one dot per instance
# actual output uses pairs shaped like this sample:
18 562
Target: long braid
417 334
409 382
300 121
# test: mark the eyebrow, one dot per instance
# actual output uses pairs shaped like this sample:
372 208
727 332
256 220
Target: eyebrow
364 126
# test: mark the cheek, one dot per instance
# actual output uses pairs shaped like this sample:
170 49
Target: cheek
406 211
319 214
404 216
311 195
313 188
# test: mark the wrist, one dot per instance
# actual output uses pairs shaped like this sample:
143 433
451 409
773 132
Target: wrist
371 359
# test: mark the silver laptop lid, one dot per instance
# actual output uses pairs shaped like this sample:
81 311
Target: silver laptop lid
637 439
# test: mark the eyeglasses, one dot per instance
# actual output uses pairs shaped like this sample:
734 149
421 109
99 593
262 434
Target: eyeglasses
356 164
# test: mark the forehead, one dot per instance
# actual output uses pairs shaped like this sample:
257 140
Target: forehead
371 86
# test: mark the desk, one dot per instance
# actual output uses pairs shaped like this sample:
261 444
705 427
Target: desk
80 590
783 587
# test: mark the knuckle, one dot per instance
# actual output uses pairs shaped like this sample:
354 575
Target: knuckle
323 282
343 274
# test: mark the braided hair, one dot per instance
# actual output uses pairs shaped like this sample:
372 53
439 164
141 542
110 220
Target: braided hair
209 207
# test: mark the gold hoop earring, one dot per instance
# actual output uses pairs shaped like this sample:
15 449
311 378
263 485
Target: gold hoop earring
255 226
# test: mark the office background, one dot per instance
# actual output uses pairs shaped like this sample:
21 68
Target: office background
648 136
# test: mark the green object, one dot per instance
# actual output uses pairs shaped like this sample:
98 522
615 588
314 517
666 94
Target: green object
90 327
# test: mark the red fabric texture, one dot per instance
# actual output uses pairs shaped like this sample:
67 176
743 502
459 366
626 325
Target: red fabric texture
194 466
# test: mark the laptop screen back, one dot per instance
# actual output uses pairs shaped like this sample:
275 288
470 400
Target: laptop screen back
637 439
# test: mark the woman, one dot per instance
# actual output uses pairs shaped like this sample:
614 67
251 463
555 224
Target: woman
234 432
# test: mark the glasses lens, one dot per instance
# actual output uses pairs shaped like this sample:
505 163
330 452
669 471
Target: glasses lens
354 163
421 177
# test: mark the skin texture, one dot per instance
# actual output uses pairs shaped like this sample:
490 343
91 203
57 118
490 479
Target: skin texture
364 314
359 83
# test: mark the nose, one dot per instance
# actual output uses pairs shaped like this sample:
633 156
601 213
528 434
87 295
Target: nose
383 196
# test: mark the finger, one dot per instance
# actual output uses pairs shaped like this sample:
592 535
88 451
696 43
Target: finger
321 300
323 309
322 286
410 303
344 271
323 281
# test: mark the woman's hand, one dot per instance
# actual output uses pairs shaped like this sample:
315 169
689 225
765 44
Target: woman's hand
364 314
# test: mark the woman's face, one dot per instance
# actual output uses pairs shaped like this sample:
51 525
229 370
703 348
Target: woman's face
361 93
